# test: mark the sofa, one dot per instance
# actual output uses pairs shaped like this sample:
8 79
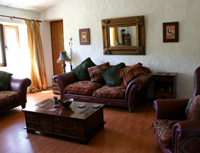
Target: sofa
129 95
14 94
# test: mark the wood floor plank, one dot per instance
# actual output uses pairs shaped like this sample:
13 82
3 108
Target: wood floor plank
124 132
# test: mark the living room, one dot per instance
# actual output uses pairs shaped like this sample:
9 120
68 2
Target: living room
180 57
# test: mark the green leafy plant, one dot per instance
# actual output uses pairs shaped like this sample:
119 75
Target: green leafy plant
70 46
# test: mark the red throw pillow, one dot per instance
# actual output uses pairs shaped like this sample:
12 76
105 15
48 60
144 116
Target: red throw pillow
129 73
95 72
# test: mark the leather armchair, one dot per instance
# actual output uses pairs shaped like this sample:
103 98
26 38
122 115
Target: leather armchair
183 135
19 86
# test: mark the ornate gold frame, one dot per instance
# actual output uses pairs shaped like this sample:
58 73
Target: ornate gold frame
137 21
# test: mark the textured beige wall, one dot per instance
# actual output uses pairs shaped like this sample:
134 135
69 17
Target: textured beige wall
182 57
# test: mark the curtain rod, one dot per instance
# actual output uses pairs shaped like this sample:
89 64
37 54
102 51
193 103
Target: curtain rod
13 17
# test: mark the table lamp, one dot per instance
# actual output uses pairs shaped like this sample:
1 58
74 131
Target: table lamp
63 57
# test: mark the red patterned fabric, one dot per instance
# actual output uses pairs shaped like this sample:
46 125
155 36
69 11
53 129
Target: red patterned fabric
110 92
189 145
129 73
7 97
162 130
95 72
82 87
194 109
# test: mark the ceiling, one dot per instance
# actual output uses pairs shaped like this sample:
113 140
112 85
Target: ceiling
33 5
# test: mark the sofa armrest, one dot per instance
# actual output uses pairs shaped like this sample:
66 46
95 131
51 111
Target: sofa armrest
63 80
142 81
138 84
188 128
20 86
170 108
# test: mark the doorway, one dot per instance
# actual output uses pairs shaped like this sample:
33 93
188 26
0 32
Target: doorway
57 47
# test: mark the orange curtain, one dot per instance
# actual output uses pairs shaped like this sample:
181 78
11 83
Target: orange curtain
115 37
38 73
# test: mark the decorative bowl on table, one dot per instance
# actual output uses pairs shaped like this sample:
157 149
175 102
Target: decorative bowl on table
65 102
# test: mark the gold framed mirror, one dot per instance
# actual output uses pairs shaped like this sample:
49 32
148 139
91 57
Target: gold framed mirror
124 36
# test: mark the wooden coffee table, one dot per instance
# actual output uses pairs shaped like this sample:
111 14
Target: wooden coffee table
72 122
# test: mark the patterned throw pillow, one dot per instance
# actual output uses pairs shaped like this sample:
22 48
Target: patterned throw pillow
194 110
95 72
130 72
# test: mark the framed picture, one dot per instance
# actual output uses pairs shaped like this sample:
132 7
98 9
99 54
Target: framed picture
84 35
170 32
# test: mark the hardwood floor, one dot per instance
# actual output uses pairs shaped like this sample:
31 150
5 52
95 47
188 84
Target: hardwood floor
124 132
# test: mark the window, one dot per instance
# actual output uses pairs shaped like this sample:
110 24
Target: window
16 50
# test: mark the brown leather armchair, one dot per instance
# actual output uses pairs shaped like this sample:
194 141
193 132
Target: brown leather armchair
16 94
174 133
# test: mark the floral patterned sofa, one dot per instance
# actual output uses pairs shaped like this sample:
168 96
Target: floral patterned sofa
12 92
105 84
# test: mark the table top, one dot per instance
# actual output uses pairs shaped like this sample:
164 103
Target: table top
165 74
73 111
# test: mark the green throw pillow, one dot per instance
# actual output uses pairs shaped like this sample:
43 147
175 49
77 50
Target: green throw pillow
110 75
81 71
4 80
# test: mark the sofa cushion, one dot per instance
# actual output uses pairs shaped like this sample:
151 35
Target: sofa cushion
4 80
194 109
95 72
110 75
110 92
162 130
82 87
130 72
7 97
81 71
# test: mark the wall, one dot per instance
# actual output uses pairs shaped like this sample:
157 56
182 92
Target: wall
45 34
182 57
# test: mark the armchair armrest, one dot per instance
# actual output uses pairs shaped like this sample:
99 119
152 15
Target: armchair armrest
187 128
63 80
20 86
170 108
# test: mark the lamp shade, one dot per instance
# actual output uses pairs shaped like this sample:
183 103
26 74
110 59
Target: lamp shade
63 57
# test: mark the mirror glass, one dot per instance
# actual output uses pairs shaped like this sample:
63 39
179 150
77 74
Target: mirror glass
122 36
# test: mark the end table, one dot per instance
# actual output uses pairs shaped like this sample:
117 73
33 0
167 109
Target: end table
165 85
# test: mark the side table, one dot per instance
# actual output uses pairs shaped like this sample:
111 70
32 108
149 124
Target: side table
165 85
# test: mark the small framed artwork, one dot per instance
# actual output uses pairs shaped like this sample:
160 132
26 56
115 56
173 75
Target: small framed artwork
170 32
84 35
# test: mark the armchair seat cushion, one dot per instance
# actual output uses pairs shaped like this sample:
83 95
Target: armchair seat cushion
110 92
7 97
162 130
82 87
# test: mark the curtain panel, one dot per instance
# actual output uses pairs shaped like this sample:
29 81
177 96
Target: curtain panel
2 48
38 73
